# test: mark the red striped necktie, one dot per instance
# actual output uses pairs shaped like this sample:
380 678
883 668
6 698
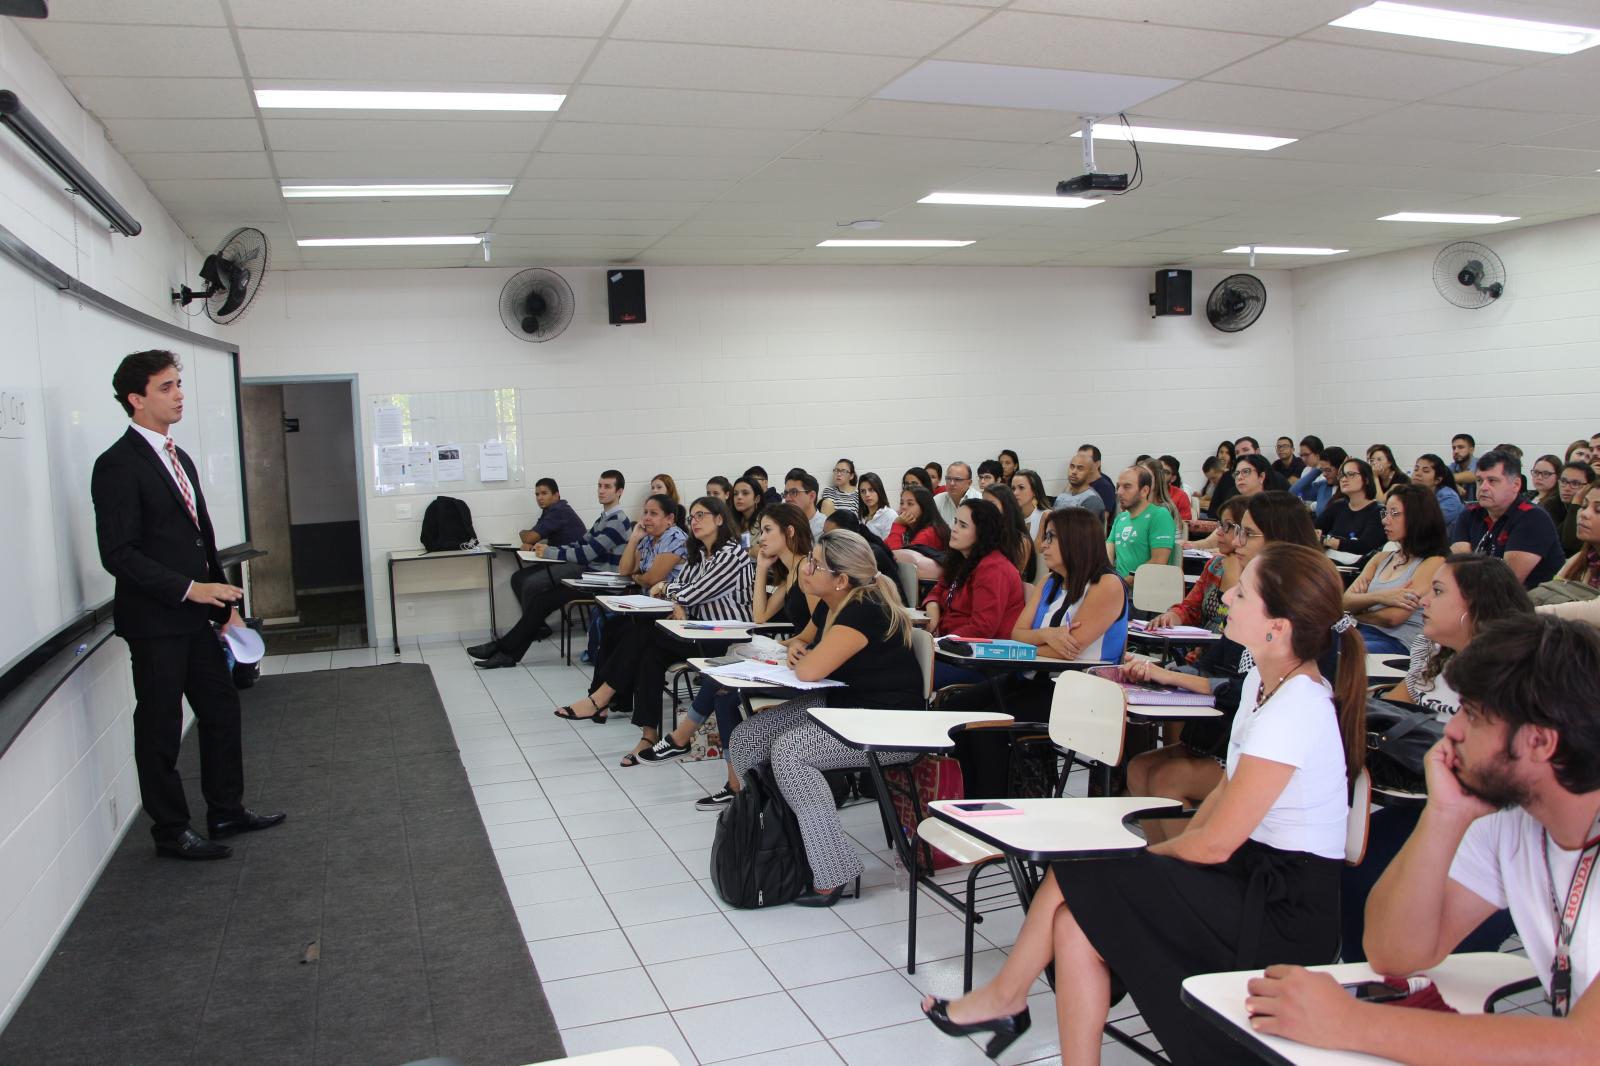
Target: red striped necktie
183 482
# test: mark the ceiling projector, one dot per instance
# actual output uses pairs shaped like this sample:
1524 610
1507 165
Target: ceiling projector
1086 184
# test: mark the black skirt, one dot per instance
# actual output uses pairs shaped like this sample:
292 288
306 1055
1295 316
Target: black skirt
1157 920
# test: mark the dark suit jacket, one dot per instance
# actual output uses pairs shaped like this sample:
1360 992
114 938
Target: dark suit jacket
148 543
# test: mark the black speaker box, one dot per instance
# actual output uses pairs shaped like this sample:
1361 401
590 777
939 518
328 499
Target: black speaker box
1174 289
625 293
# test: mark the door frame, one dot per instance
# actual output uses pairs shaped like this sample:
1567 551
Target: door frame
354 381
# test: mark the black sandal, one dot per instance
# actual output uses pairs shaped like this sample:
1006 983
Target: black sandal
598 717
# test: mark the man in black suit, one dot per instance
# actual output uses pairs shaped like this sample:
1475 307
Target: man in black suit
156 539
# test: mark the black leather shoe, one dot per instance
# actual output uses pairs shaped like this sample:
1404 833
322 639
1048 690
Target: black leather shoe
483 651
191 846
830 897
246 821
498 661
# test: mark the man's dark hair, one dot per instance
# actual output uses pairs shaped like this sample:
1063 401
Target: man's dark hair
1253 442
757 471
993 468
795 473
1538 670
1094 452
807 482
1141 459
616 478
1255 459
135 371
1471 443
1173 475
1314 443
548 483
1334 456
1289 439
1210 463
1583 468
1509 464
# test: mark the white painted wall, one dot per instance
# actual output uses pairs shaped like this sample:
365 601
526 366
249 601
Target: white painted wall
67 786
323 486
890 366
1382 356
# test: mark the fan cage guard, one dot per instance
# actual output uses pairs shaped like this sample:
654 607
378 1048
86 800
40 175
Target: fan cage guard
547 283
245 239
1455 262
1230 319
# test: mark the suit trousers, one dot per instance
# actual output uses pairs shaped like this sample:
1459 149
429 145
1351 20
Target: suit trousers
165 670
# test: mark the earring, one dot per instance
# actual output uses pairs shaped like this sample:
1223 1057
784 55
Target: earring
1269 638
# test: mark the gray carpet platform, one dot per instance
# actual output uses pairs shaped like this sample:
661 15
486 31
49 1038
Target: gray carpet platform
383 871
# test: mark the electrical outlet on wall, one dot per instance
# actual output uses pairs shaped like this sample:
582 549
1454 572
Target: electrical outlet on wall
402 510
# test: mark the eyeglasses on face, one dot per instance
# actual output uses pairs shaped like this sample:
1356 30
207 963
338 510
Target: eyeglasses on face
1230 528
1250 534
951 479
1572 483
1394 513
697 516
810 565
791 494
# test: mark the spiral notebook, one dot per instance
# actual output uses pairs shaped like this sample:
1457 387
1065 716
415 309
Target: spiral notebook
1153 695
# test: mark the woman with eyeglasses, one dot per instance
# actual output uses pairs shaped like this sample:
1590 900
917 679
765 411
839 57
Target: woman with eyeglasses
919 535
1203 605
860 635
1434 474
1353 520
1544 477
1386 599
715 582
1572 486
875 510
841 491
979 593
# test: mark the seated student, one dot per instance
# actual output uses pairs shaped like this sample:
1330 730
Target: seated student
917 477
1009 464
1503 525
935 475
858 635
1319 484
841 492
800 490
1202 606
720 488
875 510
1225 455
1386 599
1143 532
783 540
1272 480
745 501
1250 480
1212 470
1584 566
1353 520
1288 463
979 592
558 523
990 472
1386 473
919 535
1544 478
958 486
1014 541
888 570
1509 823
663 485
1199 902
1571 487
1433 473
1160 492
1103 485
1180 498
1027 488
1081 491
769 494
1578 451
600 549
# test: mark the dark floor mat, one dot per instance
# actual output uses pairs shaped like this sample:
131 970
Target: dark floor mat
329 621
372 927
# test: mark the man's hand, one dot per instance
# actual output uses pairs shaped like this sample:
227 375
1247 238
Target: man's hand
538 549
1310 1008
214 593
1445 793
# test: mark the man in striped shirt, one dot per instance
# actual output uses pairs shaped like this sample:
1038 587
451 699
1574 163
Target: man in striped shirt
600 549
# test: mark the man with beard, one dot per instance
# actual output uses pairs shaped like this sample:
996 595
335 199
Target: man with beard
1513 820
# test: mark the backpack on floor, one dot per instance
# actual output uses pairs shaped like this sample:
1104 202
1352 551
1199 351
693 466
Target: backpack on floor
932 777
447 525
758 858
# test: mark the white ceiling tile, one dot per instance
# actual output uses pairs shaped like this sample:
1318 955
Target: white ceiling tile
469 211
948 120
1559 85
167 12
1073 92
610 210
705 227
376 134
692 242
1477 125
327 57
1584 134
555 18
151 165
185 135
385 258
1252 108
642 168
867 146
718 258
1308 65
834 171
672 107
1064 43
163 97
1524 159
596 227
399 166
246 192
1245 16
75 48
604 189
608 244
872 27
752 70
666 141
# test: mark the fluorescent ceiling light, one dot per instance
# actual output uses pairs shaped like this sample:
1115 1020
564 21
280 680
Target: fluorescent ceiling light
354 100
1470 28
1436 216
1249 142
383 242
994 199
894 244
336 192
1272 249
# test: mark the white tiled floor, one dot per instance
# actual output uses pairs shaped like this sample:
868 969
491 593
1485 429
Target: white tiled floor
608 870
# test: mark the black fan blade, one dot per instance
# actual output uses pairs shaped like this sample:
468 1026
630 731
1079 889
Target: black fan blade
533 307
237 282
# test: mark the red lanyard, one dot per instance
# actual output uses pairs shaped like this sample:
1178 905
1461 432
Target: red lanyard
1567 917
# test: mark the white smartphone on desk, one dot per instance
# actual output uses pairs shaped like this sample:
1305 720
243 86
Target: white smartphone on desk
982 808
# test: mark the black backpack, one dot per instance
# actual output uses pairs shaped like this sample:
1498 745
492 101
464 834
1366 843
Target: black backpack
447 525
758 858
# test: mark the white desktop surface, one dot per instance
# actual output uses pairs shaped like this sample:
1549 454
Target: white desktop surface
1059 828
872 729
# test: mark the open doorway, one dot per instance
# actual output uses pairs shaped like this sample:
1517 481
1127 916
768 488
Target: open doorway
308 512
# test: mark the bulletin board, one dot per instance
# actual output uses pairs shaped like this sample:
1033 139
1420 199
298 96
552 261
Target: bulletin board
443 442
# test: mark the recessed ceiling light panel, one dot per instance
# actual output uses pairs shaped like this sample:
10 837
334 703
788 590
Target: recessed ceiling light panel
361 100
341 192
994 199
1468 27
1249 142
1274 249
385 242
892 244
1438 216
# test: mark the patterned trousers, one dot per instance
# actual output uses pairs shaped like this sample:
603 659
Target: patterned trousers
800 750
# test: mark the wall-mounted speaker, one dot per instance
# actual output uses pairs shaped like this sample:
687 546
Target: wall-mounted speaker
1173 295
625 295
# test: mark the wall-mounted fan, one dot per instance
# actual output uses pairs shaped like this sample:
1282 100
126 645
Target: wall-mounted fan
232 275
1236 302
536 304
1469 274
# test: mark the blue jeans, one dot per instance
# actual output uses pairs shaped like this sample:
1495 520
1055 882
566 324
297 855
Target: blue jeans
711 698
950 674
1380 642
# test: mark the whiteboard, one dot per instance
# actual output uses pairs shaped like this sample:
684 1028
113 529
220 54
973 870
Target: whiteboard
57 414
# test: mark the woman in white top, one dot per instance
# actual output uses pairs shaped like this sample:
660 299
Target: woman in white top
1028 488
876 511
1253 880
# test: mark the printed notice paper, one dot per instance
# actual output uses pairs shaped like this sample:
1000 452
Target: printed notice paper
492 461
388 424
447 464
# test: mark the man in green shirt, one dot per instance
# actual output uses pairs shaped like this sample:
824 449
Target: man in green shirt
1142 533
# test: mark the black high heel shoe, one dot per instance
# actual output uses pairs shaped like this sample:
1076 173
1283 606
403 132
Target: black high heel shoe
1006 1030
829 898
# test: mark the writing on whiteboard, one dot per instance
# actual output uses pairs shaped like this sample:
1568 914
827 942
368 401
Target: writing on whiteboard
13 414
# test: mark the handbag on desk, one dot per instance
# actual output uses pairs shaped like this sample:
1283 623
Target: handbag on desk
1398 738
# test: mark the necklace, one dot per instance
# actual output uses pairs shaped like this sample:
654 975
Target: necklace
1262 695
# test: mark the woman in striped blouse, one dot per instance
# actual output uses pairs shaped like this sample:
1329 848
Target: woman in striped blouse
715 582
